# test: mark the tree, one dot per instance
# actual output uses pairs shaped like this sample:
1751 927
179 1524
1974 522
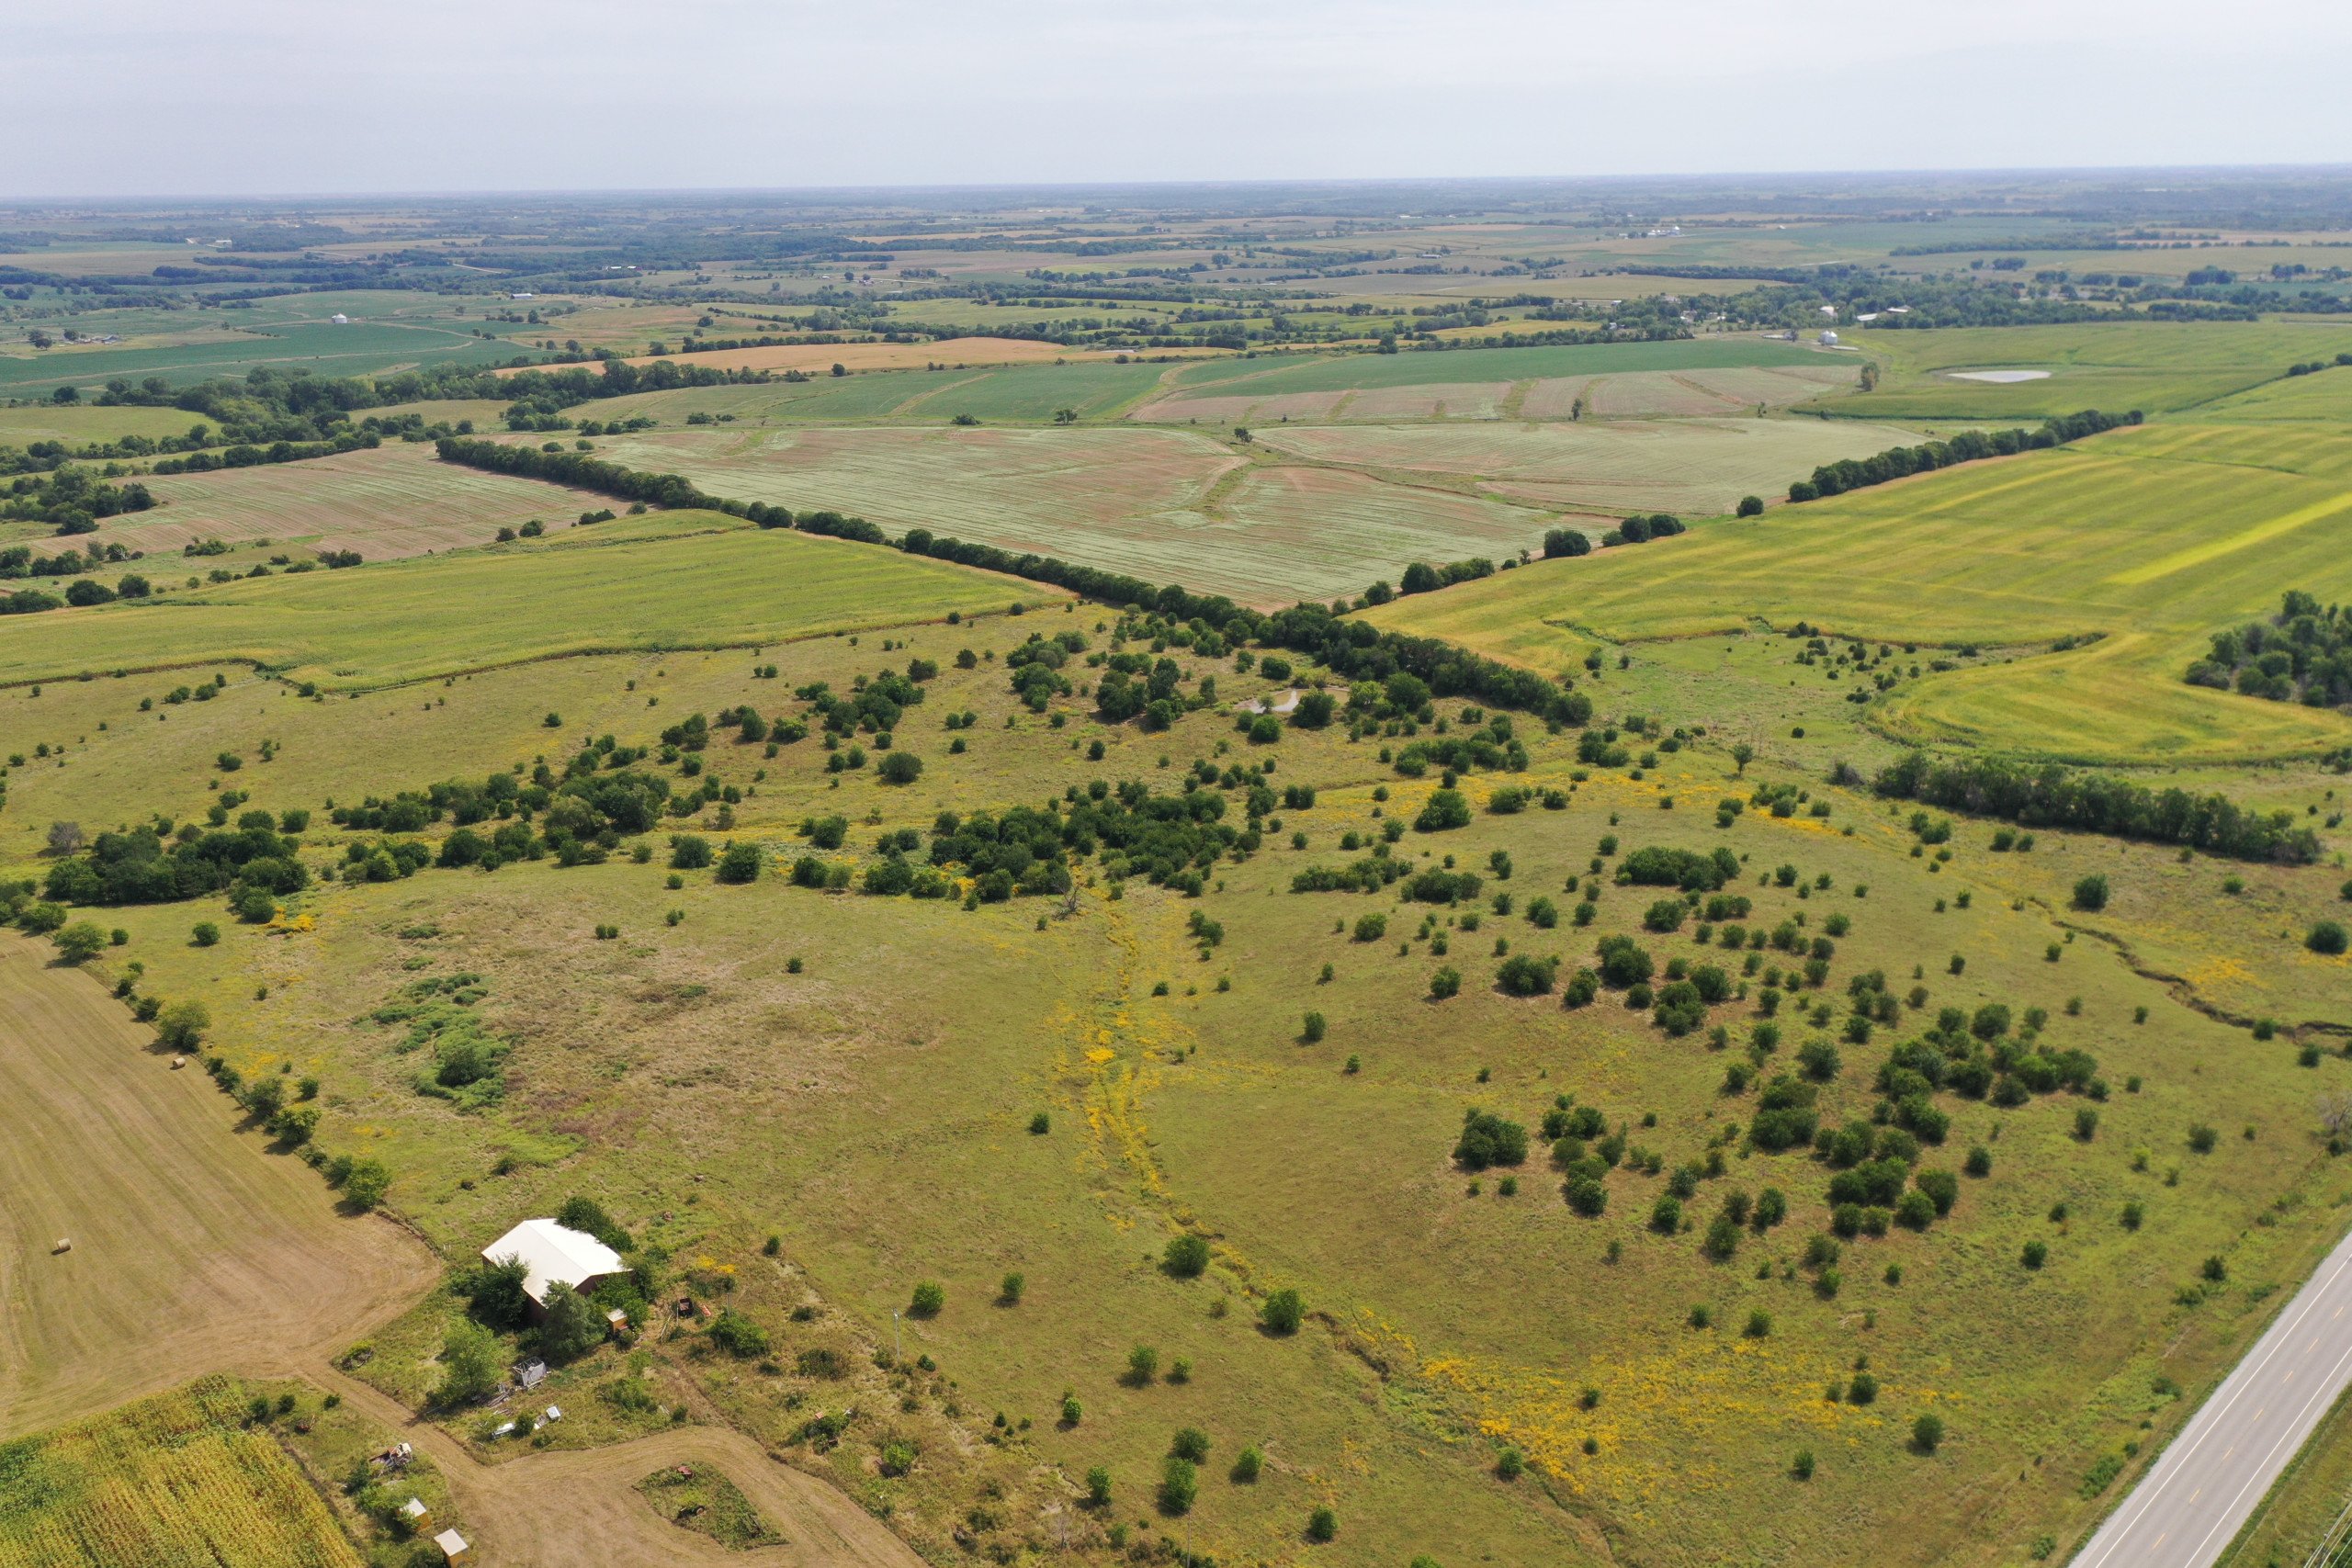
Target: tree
1928 1433
1446 809
1312 1028
79 942
495 1292
1187 1257
181 1026
1282 1312
900 768
928 1298
204 934
1180 1482
2090 894
740 863
1751 506
364 1187
688 851
470 1364
1322 1524
574 1324
2328 937
1143 1365
64 838
735 1333
1098 1487
1743 755
1191 1443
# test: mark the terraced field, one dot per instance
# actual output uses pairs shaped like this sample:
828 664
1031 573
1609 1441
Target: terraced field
2150 539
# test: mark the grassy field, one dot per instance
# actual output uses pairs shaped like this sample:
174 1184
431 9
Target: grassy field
2153 538
176 1479
865 1092
2155 366
1307 513
361 348
1025 393
407 620
392 501
957 352
48 422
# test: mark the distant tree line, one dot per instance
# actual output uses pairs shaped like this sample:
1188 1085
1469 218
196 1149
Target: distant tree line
2053 797
1899 462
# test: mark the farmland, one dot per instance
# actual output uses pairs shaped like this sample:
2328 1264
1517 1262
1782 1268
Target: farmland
1092 1082
115 1490
2171 533
413 619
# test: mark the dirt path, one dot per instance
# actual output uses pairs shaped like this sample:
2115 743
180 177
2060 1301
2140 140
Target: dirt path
546 1510
193 1248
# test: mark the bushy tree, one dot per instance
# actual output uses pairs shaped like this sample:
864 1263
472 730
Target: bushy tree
928 1298
494 1295
1186 1257
574 1324
1489 1140
740 863
2090 893
1283 1312
472 1364
79 942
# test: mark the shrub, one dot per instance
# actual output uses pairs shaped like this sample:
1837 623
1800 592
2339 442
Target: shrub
927 1299
740 863
1522 974
2329 937
1010 1291
2090 893
1587 1196
1928 1433
1489 1140
2035 1255
1246 1465
1322 1524
900 768
1143 1365
689 852
735 1333
1446 982
79 942
1098 1487
1180 1482
1282 1312
1802 1466
1311 1028
205 933
1187 1257
1191 1443
1446 809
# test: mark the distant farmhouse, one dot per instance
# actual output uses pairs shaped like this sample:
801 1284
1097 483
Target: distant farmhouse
555 1255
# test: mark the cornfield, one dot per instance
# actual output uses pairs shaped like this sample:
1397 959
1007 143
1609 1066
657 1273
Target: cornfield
172 1481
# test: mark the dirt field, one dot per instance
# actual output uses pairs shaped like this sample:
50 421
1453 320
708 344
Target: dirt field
583 1505
193 1249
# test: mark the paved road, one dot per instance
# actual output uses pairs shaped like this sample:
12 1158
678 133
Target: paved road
2191 1505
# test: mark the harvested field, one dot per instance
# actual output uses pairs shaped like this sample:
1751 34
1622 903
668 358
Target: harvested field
1689 466
178 1478
405 620
953 351
192 1250
394 501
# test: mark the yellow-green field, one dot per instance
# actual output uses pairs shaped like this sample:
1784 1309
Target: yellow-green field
178 1478
407 620
2150 539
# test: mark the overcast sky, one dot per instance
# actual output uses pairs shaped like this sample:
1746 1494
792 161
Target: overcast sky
134 98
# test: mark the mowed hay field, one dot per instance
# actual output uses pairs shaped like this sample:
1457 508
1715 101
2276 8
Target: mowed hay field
78 424
192 1250
1361 503
2155 366
405 620
175 1480
2153 538
1688 466
393 501
956 352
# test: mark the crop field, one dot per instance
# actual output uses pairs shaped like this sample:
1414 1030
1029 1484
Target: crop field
408 620
23 425
2324 397
1689 466
359 349
2158 368
2150 538
190 1247
394 501
1022 393
176 1479
959 353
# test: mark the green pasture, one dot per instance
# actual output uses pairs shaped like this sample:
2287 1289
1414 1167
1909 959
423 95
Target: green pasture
82 424
2155 366
1276 374
361 348
2150 539
403 620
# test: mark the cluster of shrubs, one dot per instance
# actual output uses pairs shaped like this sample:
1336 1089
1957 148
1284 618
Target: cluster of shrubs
2304 654
2049 796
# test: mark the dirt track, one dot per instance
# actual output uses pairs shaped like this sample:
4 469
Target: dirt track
582 1506
194 1250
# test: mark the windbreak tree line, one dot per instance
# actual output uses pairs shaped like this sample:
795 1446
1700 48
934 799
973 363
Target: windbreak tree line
1900 462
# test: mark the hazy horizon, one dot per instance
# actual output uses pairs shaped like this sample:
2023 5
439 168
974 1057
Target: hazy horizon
267 97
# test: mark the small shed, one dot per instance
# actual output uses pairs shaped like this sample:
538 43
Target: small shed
453 1547
1828 340
339 318
616 1323
530 1374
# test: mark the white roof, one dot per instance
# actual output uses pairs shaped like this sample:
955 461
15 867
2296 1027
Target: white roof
554 1255
450 1542
414 1509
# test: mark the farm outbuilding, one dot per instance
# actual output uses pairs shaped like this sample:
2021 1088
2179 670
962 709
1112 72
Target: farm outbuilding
555 1255
453 1546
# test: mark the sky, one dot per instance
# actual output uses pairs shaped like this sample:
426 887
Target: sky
163 98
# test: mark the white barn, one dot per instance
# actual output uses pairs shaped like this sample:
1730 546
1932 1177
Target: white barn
555 1255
